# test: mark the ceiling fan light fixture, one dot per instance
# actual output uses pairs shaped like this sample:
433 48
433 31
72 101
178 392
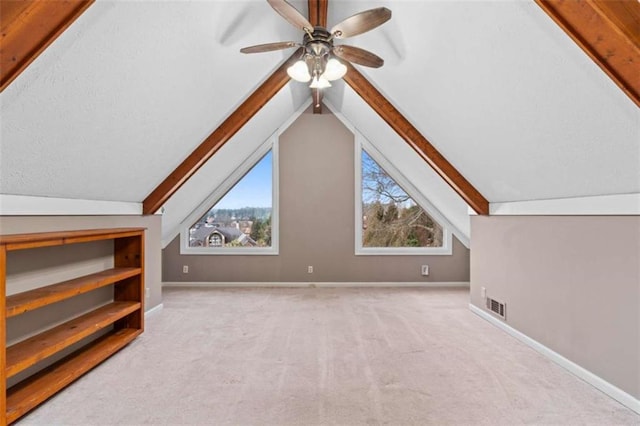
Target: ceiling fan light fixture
320 83
299 71
335 70
319 56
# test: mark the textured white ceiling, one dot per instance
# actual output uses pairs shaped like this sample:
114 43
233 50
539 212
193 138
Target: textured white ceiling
127 92
506 96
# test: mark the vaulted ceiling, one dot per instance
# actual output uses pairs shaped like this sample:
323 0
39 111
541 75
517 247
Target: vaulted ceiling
125 95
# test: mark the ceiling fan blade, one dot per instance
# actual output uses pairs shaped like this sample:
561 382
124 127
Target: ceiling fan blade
291 14
358 56
268 47
361 22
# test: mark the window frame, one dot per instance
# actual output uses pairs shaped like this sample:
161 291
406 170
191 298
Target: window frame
447 241
227 185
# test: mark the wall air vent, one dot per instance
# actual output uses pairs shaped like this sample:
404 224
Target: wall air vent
497 308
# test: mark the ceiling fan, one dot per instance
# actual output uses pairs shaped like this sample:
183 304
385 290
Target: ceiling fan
318 62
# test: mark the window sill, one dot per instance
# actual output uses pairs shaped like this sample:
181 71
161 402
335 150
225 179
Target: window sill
208 251
403 251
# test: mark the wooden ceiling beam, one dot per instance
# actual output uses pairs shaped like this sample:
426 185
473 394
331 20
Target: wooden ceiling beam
323 12
608 31
416 140
259 98
318 12
313 12
28 27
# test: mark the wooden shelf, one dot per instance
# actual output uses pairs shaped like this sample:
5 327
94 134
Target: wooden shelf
24 354
29 393
48 239
122 319
22 302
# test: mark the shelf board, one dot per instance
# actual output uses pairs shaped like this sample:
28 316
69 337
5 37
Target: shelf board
29 393
27 353
22 302
48 239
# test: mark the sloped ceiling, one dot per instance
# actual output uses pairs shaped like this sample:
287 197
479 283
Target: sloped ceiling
507 97
119 99
131 88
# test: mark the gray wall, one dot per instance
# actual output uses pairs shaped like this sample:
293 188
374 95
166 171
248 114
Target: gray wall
570 283
316 224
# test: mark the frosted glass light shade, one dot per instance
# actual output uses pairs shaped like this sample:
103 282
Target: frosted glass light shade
335 70
320 83
299 72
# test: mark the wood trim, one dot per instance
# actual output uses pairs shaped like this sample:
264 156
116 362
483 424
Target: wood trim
129 253
56 238
608 31
219 137
318 12
323 12
28 27
3 336
416 140
314 9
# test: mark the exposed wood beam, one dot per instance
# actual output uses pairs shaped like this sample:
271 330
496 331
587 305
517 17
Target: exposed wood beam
318 17
219 137
28 27
323 12
608 31
414 138
318 12
313 12
3 333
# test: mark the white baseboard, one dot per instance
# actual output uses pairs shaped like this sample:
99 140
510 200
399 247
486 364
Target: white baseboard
595 381
156 309
464 284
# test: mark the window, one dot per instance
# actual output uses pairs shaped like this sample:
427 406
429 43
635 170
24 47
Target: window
388 219
243 216
215 240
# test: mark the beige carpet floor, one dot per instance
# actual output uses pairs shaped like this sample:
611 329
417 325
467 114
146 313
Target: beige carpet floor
316 356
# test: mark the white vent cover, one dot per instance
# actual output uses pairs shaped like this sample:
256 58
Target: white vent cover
497 308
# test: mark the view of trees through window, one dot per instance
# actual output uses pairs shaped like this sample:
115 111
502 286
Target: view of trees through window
390 217
242 218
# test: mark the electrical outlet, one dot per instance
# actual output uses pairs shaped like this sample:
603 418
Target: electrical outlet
483 292
310 269
424 270
185 269
147 292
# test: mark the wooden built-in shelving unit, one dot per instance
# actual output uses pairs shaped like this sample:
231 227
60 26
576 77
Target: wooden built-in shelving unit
124 317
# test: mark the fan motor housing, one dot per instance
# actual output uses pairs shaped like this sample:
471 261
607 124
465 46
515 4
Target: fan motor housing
317 47
319 42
